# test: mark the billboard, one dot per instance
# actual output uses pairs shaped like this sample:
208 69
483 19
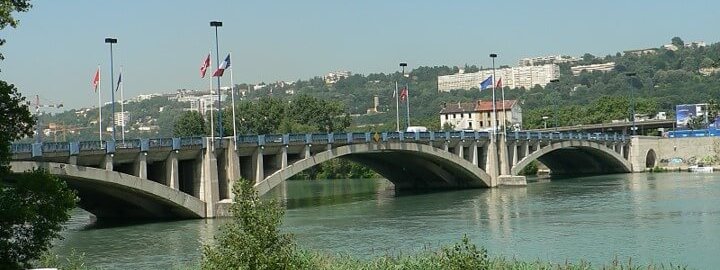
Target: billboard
684 113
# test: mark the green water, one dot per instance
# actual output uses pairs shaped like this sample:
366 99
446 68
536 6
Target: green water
653 218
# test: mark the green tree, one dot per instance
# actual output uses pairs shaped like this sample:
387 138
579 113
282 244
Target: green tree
33 207
7 7
252 239
190 124
677 41
15 121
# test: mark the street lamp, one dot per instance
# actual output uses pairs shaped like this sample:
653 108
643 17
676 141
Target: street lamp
217 24
632 102
555 101
545 118
495 121
112 41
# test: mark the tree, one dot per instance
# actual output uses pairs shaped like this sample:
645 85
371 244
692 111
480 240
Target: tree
15 121
7 7
252 239
33 207
190 124
677 41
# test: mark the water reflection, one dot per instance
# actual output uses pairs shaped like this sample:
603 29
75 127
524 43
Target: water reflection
669 217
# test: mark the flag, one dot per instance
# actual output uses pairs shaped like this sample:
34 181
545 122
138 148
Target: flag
499 83
223 66
204 66
119 82
403 94
96 79
486 83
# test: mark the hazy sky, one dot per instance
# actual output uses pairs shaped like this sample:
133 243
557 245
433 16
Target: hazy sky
58 44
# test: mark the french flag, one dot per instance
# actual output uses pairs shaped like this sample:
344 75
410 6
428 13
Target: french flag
223 66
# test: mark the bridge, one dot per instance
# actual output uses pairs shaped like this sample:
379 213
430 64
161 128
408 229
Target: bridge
192 177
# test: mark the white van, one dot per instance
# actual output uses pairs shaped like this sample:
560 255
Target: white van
416 129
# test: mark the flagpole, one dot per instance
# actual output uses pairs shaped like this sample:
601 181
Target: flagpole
212 107
495 122
232 93
504 112
99 91
397 107
122 104
407 98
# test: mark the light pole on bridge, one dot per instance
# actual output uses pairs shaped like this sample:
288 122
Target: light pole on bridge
632 102
112 41
217 24
555 102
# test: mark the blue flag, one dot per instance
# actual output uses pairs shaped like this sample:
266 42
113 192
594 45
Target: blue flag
486 83
119 82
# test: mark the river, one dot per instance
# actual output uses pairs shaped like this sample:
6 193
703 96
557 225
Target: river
653 218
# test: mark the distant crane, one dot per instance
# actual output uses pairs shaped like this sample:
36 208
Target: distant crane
38 132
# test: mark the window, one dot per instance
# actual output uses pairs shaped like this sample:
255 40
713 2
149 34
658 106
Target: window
481 124
454 115
446 117
487 115
470 125
468 115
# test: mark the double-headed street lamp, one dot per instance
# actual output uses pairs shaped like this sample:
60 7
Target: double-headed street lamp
632 102
217 24
495 121
545 118
405 90
112 41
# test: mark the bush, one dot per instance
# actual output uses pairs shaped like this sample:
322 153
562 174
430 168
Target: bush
252 239
33 207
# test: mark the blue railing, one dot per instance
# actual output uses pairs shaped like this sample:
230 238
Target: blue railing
285 139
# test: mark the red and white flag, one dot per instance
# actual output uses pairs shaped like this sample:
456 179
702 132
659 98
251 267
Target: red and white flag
205 65
403 94
96 79
499 83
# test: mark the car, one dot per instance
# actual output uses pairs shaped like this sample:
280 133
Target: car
416 129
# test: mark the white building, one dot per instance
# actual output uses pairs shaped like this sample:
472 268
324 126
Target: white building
576 70
515 77
122 119
478 115
544 60
333 77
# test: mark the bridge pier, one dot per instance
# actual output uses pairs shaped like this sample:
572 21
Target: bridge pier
257 164
491 167
209 191
107 162
172 171
140 165
72 160
474 153
514 153
232 170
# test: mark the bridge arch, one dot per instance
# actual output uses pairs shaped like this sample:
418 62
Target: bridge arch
577 157
109 194
650 159
406 165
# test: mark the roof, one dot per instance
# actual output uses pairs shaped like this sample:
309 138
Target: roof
486 106
458 107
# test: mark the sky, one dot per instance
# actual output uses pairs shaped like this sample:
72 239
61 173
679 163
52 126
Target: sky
58 45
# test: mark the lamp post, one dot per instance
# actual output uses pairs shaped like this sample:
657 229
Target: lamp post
112 41
495 120
217 24
555 100
632 102
545 118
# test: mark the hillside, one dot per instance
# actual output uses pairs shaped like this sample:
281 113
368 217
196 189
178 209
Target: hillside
664 78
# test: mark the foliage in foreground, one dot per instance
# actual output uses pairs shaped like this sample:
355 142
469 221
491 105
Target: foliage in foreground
33 207
252 240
